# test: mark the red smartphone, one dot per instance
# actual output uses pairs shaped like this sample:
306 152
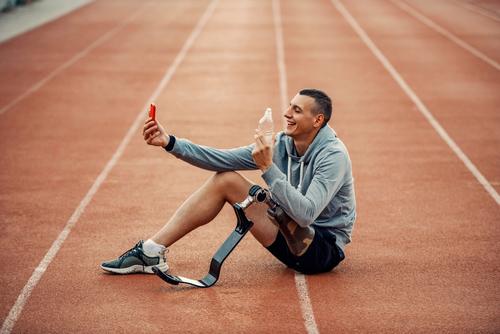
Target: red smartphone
152 111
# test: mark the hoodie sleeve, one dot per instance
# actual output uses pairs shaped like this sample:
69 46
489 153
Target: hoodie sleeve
327 179
218 160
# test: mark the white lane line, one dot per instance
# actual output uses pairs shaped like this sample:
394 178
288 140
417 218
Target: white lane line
477 10
300 279
403 6
420 105
280 54
305 304
70 62
37 274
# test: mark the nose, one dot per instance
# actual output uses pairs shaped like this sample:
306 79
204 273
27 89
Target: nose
287 113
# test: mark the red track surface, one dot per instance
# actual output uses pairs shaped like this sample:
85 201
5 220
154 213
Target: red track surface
425 251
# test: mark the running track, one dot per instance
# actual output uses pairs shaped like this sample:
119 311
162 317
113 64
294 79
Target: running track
416 93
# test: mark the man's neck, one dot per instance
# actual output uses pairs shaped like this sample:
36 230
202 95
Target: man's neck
302 144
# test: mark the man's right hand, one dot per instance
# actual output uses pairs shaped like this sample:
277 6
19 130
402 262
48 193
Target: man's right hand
154 134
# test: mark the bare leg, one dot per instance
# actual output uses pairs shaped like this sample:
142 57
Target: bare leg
204 205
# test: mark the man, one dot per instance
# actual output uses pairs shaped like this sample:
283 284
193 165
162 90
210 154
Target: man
308 173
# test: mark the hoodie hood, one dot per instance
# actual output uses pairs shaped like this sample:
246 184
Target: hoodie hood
324 136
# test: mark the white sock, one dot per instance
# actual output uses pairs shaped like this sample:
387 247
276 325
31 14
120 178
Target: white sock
153 249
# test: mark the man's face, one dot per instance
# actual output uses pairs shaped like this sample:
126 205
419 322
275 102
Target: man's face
299 118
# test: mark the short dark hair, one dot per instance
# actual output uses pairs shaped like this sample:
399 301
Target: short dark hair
322 101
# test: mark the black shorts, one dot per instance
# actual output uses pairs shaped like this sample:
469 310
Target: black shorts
322 255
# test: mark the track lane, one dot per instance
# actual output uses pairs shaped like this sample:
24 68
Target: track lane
423 252
64 138
478 31
452 36
485 13
254 287
31 57
462 96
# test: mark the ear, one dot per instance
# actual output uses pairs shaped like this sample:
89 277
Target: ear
318 120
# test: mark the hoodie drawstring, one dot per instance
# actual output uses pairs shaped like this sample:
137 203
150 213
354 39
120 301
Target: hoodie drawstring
301 173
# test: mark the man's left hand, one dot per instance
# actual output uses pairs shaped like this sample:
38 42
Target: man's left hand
263 152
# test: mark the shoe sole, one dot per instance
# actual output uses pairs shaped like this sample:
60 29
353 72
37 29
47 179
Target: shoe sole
136 269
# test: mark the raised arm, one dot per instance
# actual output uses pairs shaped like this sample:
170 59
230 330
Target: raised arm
205 157
219 160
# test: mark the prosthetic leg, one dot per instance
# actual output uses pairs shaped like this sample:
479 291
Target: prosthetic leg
298 238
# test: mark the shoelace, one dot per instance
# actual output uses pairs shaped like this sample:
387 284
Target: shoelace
134 250
131 250
164 256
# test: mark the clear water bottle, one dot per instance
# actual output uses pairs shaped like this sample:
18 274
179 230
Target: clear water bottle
266 126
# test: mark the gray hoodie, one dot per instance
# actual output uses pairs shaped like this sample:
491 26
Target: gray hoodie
316 188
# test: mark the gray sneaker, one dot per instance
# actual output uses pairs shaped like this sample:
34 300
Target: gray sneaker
135 261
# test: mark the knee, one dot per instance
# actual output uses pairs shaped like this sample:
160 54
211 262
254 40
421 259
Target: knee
225 180
233 186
